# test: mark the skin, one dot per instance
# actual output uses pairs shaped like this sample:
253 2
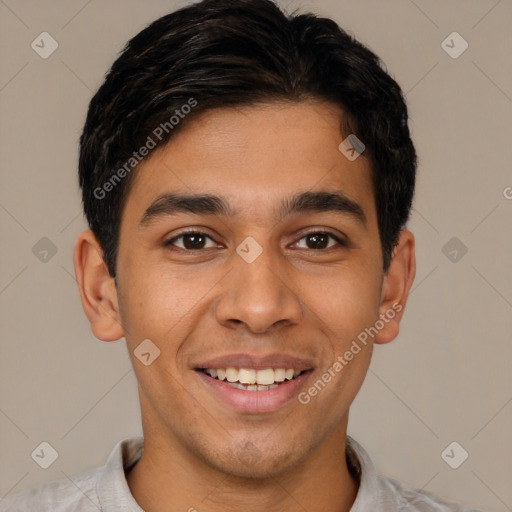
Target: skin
295 298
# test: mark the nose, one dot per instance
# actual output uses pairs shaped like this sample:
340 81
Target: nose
260 295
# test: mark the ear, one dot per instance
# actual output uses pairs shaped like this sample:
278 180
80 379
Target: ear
98 292
396 286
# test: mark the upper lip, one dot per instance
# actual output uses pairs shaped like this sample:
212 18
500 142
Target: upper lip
256 362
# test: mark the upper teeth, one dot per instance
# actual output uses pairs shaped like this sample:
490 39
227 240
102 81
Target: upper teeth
264 377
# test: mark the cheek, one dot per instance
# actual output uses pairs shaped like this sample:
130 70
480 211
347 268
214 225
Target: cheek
345 301
153 299
351 301
164 307
159 308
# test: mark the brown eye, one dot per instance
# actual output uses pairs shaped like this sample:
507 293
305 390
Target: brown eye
319 241
191 241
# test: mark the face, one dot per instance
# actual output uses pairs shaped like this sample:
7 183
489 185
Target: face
272 273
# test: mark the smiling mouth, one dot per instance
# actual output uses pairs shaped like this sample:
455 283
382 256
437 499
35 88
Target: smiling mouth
248 379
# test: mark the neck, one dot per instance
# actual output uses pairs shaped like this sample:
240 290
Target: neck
169 478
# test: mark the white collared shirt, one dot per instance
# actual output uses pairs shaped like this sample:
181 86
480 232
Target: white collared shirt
105 489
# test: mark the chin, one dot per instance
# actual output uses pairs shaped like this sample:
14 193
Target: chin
250 463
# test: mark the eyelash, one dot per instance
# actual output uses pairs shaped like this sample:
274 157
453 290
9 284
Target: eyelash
170 242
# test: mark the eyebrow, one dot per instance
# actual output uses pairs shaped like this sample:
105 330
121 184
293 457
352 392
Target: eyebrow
208 204
322 202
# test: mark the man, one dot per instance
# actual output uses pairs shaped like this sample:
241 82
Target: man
247 178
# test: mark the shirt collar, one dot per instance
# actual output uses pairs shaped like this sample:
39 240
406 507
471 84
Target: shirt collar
361 466
114 493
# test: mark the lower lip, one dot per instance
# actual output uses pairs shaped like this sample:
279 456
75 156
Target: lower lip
255 401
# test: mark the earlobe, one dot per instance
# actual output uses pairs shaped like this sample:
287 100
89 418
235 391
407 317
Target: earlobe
395 289
97 288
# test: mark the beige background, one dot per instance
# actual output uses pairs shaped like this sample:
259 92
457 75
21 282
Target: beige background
448 375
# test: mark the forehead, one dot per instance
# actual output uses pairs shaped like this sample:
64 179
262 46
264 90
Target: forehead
254 157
